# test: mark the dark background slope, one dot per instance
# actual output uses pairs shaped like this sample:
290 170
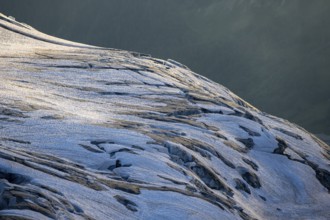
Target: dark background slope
274 53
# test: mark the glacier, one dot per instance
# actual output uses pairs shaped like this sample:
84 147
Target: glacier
97 133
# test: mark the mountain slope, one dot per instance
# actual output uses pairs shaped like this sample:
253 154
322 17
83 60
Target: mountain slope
250 46
95 133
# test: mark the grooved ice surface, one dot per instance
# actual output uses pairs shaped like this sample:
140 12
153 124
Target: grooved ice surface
95 133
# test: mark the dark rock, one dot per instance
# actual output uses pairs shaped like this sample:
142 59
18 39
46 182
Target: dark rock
324 177
15 140
127 203
225 161
52 117
14 178
251 163
187 112
289 133
210 179
249 143
11 112
240 185
281 146
177 153
251 178
117 165
250 132
251 117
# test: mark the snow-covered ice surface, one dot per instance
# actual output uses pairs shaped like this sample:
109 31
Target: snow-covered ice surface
95 133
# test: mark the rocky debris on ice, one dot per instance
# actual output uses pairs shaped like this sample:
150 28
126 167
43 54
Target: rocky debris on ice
96 133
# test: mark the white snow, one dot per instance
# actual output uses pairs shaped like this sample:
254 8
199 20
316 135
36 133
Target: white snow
107 135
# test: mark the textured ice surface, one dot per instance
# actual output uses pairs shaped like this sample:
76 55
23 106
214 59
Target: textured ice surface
95 133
